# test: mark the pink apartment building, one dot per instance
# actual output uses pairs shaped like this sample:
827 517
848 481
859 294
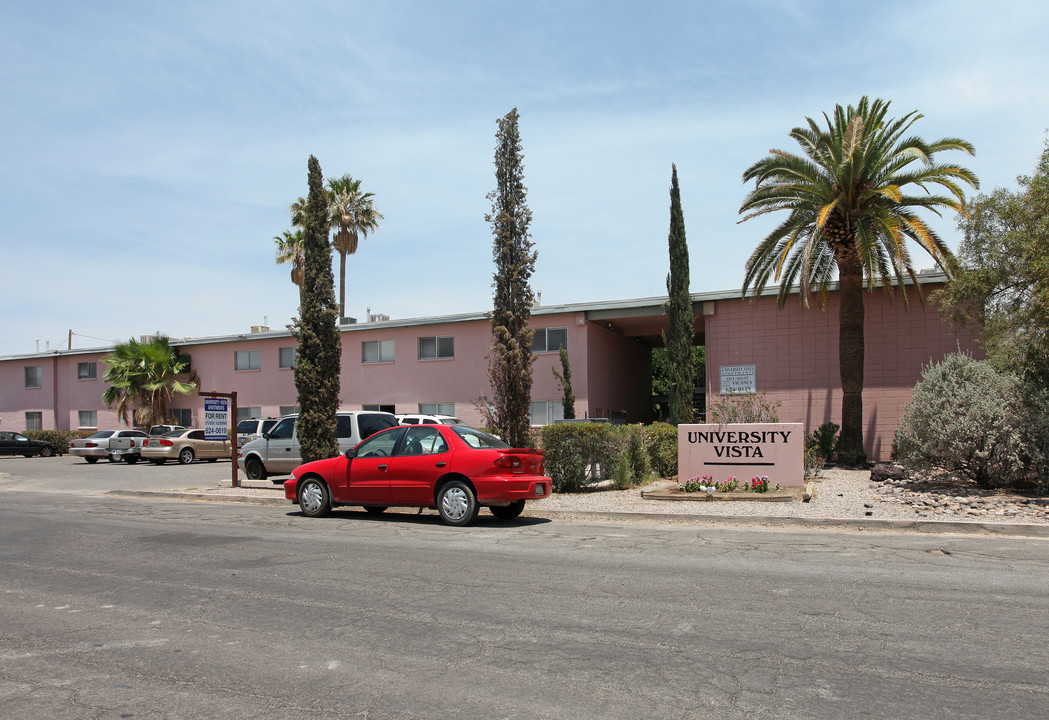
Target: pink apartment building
439 364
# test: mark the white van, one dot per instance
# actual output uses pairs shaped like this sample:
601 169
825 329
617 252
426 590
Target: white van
277 451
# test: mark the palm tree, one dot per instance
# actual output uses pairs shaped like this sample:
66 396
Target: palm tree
353 215
143 378
290 250
851 197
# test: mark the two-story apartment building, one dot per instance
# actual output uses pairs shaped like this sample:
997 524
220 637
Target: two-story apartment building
439 364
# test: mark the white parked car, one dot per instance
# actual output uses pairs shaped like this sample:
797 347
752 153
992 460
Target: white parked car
277 451
115 445
419 419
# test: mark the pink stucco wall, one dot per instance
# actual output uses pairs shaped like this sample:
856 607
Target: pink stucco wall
796 354
620 375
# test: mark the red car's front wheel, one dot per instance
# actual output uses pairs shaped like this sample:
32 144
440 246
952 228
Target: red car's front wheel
313 498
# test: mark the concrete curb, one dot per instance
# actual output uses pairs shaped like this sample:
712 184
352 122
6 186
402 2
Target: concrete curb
1023 530
205 497
1028 530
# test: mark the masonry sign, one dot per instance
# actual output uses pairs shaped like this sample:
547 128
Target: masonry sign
743 451
739 379
216 416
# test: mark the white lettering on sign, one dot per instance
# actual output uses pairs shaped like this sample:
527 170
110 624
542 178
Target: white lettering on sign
739 379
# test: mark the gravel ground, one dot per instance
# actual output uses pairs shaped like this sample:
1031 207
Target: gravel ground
840 494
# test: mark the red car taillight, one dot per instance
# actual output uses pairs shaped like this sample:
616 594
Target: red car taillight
90 444
508 461
166 443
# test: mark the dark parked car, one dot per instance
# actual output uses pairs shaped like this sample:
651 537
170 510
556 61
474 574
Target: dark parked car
12 443
453 468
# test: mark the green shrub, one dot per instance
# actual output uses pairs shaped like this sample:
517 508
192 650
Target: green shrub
824 440
968 418
59 438
574 451
637 454
742 408
662 449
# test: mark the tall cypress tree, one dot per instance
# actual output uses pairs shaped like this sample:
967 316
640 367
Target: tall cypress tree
564 378
510 360
680 317
318 361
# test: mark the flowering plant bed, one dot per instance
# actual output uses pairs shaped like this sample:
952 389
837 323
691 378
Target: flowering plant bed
705 489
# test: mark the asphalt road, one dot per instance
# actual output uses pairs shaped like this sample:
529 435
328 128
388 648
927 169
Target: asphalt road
115 607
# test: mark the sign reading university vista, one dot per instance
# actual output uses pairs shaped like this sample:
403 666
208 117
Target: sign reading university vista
743 451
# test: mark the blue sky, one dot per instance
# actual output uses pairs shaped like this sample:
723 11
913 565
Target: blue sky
150 150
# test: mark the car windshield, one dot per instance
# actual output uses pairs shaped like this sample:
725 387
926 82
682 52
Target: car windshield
103 433
451 421
478 439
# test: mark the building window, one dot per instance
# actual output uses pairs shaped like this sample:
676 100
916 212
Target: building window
288 357
183 417
441 346
437 409
549 339
380 408
546 412
288 410
247 413
87 418
377 351
34 376
248 360
34 421
85 371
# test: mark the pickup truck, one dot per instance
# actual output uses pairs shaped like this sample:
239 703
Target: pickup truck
277 451
114 445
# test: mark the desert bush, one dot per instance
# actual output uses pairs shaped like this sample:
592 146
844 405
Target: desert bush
662 449
968 418
813 460
743 408
824 440
59 438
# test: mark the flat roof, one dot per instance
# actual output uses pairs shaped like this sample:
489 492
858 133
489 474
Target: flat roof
602 310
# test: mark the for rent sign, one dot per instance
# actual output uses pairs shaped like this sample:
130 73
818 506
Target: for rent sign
216 418
743 451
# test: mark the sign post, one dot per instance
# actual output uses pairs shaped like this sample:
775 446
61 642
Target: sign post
218 411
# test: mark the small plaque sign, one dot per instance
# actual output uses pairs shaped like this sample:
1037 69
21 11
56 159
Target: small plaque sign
738 379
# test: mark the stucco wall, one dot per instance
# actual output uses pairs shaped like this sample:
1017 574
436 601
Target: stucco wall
796 354
620 375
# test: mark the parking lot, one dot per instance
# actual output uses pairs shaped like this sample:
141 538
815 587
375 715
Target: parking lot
68 474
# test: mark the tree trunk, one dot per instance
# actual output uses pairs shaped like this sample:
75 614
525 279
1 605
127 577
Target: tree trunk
850 360
342 285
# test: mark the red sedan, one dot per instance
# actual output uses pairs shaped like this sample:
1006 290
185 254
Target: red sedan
454 468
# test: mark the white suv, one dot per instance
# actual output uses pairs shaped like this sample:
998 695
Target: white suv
248 430
277 452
